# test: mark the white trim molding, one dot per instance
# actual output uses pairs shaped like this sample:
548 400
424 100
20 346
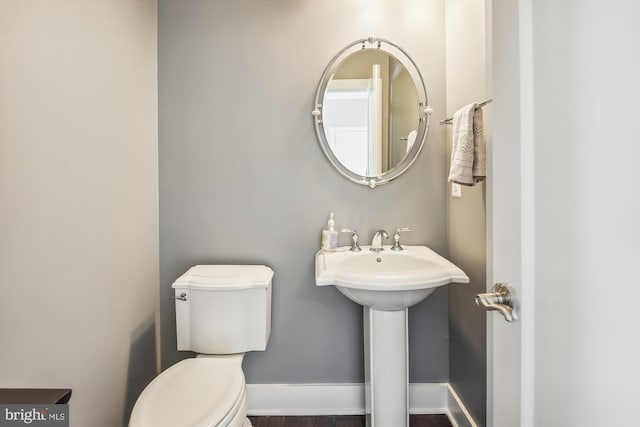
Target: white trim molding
305 399
348 399
458 413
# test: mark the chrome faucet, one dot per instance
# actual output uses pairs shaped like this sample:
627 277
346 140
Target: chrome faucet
376 243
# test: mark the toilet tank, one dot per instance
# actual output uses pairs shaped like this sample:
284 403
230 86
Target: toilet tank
223 309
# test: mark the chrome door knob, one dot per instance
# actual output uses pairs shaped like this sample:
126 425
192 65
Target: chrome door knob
501 300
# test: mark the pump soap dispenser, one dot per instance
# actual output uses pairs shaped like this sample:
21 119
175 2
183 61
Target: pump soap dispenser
329 236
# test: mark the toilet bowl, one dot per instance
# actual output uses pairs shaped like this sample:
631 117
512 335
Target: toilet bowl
221 312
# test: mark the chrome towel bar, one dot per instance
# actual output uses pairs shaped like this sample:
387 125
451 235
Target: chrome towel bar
449 120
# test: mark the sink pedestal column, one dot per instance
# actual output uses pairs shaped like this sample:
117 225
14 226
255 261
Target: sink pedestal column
386 364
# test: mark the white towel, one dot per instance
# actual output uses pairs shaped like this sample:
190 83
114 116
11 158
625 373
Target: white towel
411 139
468 154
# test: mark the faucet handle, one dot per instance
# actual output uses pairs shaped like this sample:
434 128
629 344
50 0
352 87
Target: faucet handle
354 239
396 237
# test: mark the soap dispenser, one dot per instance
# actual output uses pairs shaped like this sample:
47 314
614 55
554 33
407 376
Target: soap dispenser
329 236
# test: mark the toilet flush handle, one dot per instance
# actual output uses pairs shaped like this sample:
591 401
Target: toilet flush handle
182 297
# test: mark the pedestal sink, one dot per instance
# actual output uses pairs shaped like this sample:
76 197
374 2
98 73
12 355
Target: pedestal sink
386 284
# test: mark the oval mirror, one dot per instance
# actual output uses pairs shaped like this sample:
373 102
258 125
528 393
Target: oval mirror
371 111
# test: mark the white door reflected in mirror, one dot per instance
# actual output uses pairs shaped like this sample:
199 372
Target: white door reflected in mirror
353 122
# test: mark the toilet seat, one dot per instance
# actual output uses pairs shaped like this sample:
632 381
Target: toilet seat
199 392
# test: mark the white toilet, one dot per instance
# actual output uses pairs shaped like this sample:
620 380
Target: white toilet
222 311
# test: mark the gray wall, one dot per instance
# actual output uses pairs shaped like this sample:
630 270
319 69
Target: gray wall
243 179
79 202
466 83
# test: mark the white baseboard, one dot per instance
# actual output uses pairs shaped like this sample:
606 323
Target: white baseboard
305 399
458 413
348 399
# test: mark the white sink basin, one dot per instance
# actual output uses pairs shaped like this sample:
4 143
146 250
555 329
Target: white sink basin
386 280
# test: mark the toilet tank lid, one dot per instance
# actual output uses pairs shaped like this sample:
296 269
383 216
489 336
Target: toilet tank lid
225 277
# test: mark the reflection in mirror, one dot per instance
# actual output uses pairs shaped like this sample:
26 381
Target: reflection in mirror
370 112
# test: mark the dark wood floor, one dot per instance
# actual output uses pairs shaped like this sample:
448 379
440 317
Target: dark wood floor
438 420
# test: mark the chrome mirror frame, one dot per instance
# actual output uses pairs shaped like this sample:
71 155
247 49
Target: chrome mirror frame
423 105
